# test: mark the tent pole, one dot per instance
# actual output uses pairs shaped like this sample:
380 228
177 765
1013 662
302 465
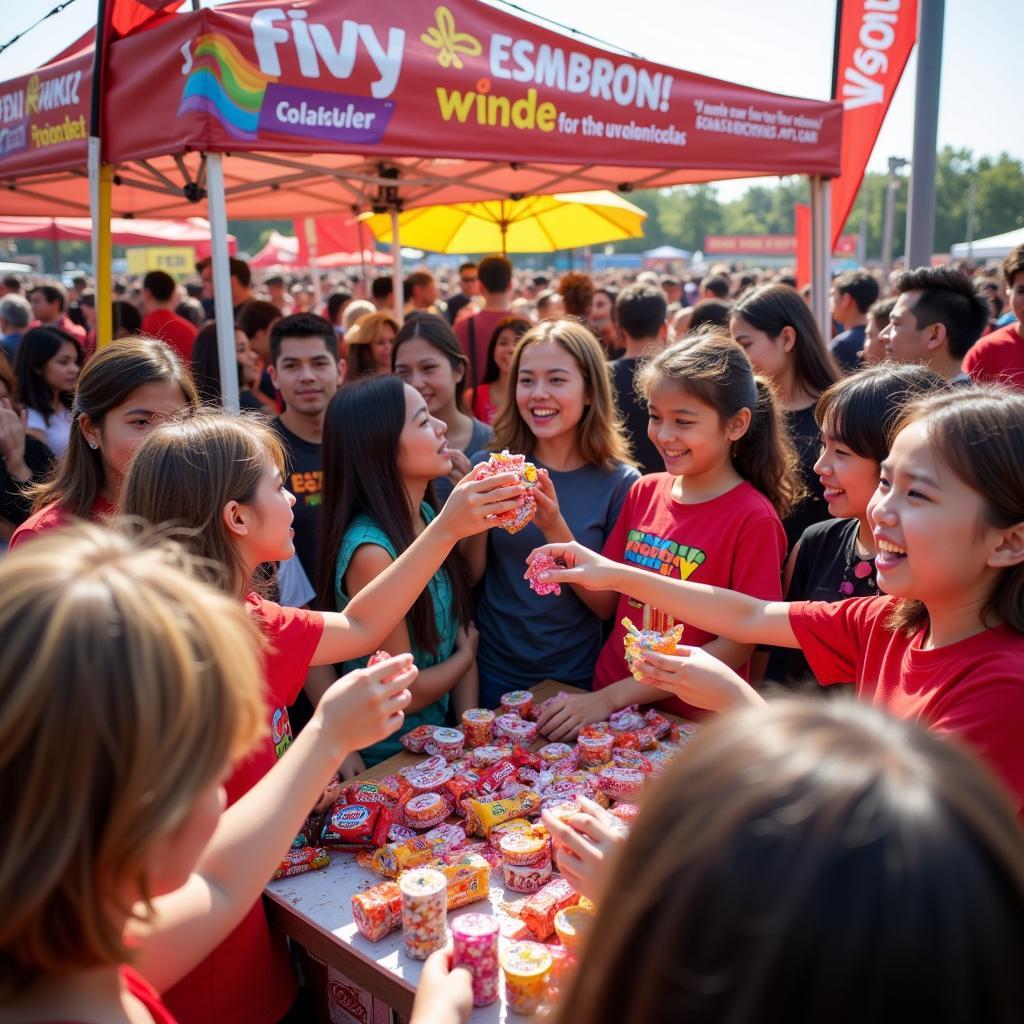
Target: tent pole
219 263
398 293
100 181
821 263
362 260
314 267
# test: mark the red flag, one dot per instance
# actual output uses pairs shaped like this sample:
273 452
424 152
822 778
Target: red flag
802 218
127 16
875 41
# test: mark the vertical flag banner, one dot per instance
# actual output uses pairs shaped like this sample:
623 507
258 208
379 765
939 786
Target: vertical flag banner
875 41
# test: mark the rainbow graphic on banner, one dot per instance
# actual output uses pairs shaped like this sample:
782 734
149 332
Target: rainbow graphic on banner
225 84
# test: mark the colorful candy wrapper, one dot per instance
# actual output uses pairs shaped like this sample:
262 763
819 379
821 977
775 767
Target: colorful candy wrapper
484 757
481 848
554 753
621 783
482 816
626 720
378 911
425 810
504 462
450 836
544 563
356 826
475 937
526 878
595 747
424 911
504 828
394 858
637 642
625 812
399 834
572 925
658 722
417 739
510 728
512 929
517 702
526 966
493 778
446 743
300 859
469 880
540 909
524 847
429 780
478 727
632 759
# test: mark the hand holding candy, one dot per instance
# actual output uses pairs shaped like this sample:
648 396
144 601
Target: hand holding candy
584 567
445 993
543 563
548 517
583 843
699 678
479 500
562 721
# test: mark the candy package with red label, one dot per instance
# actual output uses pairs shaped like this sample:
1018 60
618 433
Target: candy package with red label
356 826
658 722
416 739
538 911
299 860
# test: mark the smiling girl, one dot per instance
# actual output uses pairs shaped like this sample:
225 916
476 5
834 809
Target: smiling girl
382 449
564 420
713 516
494 390
427 356
946 644
47 365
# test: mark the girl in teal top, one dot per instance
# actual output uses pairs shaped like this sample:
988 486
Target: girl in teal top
381 450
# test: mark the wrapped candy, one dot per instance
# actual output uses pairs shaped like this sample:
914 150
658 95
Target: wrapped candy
517 702
553 753
572 925
503 462
478 727
300 859
449 836
504 828
637 642
446 743
626 720
625 812
399 834
513 729
632 759
493 778
482 815
527 878
459 787
424 911
416 740
428 764
355 826
512 929
526 966
426 810
469 880
475 938
389 791
429 780
658 722
394 858
540 909
484 757
480 848
595 747
378 911
524 847
544 563
621 783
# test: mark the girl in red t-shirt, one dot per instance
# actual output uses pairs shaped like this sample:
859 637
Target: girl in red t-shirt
714 517
219 481
128 687
946 646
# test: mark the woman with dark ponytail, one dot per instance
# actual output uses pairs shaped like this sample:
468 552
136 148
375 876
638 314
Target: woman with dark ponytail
714 516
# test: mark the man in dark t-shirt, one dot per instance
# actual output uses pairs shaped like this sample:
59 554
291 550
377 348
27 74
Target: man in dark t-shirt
307 371
640 312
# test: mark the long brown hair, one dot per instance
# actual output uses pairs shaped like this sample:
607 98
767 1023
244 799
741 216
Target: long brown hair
184 474
776 306
715 370
106 381
359 340
793 863
600 438
125 687
979 433
362 428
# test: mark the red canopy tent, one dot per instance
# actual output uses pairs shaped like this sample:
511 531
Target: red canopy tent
328 106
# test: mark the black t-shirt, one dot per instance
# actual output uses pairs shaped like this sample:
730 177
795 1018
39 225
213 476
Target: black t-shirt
14 503
803 428
305 480
845 348
634 414
455 304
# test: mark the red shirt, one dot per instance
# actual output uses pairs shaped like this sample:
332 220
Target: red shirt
998 356
483 324
54 516
973 688
66 324
175 330
735 540
248 978
141 989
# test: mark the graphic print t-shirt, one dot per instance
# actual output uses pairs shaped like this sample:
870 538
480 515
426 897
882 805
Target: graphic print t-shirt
305 479
735 540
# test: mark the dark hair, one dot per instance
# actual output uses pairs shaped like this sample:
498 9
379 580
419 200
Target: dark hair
362 428
520 325
577 291
717 284
468 265
125 317
274 279
862 410
191 310
978 433
206 366
859 285
716 371
237 268
12 283
710 312
160 285
794 863
640 310
302 325
417 279
52 293
106 381
335 302
436 332
38 345
1013 264
947 297
773 307
382 287
880 310
257 315
495 273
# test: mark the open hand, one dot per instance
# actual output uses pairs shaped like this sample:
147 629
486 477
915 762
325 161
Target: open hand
699 678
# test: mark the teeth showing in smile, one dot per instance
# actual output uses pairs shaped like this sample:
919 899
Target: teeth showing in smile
890 549
833 492
674 454
543 414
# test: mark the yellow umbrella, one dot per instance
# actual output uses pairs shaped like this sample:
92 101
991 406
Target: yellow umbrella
566 220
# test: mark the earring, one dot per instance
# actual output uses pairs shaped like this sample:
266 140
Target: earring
93 445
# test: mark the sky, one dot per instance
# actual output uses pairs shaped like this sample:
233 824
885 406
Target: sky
785 46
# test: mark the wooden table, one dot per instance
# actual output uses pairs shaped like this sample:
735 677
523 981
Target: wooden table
315 910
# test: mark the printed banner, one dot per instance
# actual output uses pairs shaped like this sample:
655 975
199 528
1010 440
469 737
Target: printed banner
459 80
874 46
769 245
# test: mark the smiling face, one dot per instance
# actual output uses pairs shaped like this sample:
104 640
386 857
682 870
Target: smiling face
422 448
688 433
929 527
551 394
60 371
849 479
420 365
306 374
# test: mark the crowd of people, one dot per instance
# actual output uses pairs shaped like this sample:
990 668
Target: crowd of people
185 587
